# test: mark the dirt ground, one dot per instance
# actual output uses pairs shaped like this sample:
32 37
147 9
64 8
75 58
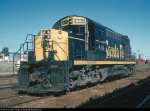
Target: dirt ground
131 96
75 98
8 80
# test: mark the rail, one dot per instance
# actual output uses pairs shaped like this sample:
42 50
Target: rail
6 86
141 104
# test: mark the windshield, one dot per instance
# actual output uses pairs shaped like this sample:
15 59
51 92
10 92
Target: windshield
75 30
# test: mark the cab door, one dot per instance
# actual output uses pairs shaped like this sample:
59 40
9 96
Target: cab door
91 38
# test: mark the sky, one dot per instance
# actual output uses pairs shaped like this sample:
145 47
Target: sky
128 17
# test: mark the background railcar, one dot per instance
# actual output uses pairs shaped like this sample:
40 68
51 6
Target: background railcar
75 52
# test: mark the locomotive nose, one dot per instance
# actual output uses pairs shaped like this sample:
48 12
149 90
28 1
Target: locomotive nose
41 77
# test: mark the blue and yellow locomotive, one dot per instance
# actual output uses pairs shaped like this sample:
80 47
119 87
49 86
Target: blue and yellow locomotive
75 52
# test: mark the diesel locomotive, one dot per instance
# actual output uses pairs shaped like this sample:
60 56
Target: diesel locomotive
77 51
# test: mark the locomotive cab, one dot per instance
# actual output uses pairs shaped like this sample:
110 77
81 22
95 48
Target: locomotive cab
81 34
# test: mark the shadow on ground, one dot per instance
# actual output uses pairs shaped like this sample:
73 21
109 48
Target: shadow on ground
98 102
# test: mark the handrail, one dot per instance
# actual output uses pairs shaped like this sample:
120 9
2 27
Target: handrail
28 35
60 47
27 48
21 46
57 56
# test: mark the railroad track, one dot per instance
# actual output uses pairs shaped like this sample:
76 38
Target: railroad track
8 97
122 96
13 100
25 101
143 102
6 86
10 102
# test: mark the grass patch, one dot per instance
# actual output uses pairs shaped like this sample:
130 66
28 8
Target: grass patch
6 67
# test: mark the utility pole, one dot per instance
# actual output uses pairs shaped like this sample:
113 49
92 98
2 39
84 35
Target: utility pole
138 54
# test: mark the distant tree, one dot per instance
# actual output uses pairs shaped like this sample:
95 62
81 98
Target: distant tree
5 51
